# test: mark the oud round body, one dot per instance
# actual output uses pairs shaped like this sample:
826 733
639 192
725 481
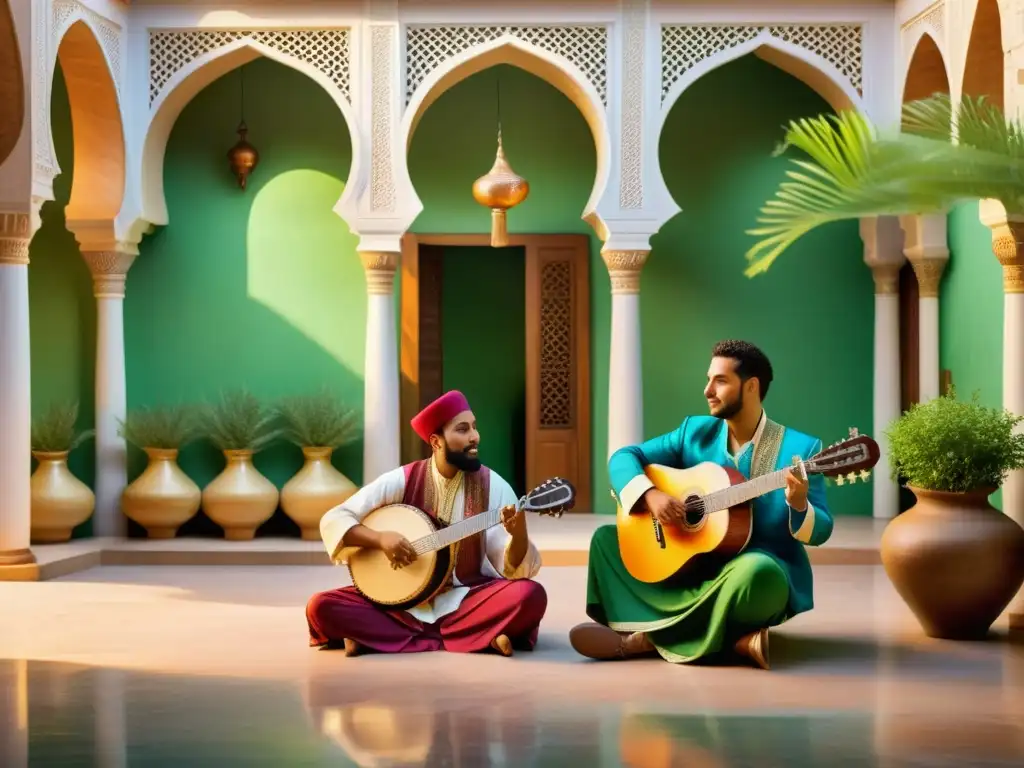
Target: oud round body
405 587
723 533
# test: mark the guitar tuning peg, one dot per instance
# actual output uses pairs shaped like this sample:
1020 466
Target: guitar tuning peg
840 480
851 478
865 474
854 432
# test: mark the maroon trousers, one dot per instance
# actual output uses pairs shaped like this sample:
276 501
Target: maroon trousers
497 607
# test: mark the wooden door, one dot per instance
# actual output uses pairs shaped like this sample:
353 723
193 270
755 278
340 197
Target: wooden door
558 362
421 347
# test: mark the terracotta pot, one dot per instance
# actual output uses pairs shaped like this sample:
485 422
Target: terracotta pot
313 490
162 498
240 499
60 501
955 560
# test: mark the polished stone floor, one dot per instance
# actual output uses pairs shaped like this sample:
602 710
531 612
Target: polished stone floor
176 666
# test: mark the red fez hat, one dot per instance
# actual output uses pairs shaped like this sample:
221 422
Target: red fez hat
438 413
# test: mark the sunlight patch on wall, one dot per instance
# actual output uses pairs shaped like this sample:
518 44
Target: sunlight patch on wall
301 259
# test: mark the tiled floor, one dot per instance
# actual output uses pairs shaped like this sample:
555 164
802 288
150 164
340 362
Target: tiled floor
174 666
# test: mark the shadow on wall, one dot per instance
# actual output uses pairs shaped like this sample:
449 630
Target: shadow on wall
260 288
812 313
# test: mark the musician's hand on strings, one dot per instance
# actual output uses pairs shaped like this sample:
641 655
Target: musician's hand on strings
666 509
796 490
514 520
398 549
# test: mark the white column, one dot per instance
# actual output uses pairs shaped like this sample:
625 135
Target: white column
16 231
625 375
883 253
887 395
1008 246
928 252
14 714
109 270
381 443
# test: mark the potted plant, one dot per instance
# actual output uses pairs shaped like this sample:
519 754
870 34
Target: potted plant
162 498
60 501
955 559
318 424
240 499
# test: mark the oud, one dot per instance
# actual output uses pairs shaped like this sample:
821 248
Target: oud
719 512
422 579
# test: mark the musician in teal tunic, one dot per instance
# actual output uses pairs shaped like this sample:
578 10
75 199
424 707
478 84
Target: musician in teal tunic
731 606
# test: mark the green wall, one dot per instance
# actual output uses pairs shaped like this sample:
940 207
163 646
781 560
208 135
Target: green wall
971 312
483 335
263 288
812 312
62 311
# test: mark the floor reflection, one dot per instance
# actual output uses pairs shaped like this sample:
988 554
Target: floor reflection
54 714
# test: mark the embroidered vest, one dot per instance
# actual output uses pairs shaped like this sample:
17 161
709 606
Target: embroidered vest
476 488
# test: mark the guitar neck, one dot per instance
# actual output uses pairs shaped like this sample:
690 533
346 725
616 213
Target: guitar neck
463 529
744 492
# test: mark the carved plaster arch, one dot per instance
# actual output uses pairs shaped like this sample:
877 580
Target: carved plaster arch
192 78
97 191
983 72
550 67
927 69
806 66
12 84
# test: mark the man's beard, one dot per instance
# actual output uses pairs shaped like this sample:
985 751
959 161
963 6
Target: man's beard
729 410
461 460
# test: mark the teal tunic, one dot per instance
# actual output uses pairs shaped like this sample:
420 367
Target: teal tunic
767 584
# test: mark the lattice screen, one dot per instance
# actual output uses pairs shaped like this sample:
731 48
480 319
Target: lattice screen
556 363
685 46
325 49
585 46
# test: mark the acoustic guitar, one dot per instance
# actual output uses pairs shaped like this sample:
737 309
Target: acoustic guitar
421 580
719 512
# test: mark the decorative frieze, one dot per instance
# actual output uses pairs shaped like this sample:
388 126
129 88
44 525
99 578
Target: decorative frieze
382 177
631 180
109 272
324 49
624 268
584 46
1008 247
684 46
380 268
108 33
15 236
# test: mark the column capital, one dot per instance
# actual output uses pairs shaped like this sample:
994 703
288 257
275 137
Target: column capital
16 231
887 277
109 270
1007 242
624 268
925 237
380 268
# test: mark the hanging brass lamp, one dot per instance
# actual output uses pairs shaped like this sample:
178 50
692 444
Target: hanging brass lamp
243 157
500 189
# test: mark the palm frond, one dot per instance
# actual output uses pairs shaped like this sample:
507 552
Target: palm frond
975 122
853 173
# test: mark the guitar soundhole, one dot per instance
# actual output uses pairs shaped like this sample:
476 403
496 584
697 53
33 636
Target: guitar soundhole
694 516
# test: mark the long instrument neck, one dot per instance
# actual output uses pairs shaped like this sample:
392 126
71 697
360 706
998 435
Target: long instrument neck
463 529
744 492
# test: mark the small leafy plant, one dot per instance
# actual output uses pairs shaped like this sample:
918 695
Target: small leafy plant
238 422
318 421
949 445
167 428
54 431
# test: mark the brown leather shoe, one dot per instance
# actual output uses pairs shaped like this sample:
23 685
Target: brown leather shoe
596 641
754 647
502 645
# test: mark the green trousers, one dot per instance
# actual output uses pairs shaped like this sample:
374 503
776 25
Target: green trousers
692 620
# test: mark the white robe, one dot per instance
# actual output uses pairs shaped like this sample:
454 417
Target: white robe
389 488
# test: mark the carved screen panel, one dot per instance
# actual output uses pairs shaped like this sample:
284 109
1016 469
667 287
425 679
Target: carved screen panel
558 363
